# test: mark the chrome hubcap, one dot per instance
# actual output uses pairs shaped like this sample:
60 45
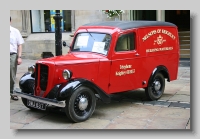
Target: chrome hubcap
83 103
157 85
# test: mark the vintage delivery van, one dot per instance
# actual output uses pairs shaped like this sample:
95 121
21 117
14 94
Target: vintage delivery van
105 58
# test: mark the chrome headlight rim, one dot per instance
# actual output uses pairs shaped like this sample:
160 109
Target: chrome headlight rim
31 69
66 74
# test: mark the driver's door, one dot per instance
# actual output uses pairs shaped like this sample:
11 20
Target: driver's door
124 64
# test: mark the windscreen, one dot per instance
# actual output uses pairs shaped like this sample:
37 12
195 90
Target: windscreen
92 42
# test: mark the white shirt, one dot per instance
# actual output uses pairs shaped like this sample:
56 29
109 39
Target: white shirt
15 39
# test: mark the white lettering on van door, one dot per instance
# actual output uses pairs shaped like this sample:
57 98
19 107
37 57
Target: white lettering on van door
159 49
125 70
158 31
149 35
159 40
168 33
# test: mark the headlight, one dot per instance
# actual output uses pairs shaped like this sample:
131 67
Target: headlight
31 69
67 74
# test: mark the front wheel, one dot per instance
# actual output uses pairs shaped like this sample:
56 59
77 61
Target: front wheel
155 88
80 105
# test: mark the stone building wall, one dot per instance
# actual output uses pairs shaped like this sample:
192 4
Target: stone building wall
36 43
16 19
88 16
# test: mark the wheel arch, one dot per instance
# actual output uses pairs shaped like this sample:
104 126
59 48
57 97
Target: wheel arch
65 90
26 83
163 70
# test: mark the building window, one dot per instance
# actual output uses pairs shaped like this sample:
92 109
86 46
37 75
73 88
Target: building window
143 15
43 21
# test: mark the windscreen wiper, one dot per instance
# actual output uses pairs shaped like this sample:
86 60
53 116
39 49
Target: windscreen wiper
90 34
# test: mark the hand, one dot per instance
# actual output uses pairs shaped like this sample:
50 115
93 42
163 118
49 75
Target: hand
19 60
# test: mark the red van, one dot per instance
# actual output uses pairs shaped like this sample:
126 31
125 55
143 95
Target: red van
104 58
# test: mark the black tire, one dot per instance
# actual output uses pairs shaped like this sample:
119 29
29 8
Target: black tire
24 100
156 87
77 111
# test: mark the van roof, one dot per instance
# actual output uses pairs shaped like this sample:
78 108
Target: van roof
130 24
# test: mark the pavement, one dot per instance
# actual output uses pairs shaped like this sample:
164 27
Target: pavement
129 110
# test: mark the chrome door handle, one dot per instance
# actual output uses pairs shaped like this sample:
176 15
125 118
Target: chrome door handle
137 54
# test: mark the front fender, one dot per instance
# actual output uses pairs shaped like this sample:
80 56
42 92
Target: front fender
26 83
68 88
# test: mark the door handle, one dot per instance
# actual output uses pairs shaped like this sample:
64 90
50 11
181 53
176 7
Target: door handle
137 54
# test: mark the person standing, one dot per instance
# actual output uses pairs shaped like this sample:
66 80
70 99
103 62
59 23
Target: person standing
16 42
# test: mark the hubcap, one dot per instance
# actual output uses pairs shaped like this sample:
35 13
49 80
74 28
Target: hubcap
83 103
157 85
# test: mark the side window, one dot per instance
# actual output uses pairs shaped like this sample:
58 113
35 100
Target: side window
126 42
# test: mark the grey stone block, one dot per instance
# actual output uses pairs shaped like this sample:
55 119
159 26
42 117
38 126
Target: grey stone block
149 102
180 105
162 103
137 102
157 103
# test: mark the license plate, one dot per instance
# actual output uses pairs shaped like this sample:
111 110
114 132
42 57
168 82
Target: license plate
37 105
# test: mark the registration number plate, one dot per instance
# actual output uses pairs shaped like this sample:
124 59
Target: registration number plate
37 105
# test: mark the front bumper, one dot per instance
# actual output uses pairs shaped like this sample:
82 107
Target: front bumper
39 99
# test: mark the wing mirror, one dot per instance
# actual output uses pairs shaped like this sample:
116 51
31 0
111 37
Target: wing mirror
65 44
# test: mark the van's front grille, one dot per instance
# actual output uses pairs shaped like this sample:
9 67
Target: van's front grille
41 76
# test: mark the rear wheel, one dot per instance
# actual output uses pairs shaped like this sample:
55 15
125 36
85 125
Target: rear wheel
80 105
155 88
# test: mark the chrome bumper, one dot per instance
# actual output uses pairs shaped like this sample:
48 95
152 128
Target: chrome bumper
39 99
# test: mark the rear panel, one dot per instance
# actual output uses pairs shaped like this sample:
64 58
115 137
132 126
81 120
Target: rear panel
160 46
159 40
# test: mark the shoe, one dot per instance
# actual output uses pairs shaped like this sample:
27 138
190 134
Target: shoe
13 97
